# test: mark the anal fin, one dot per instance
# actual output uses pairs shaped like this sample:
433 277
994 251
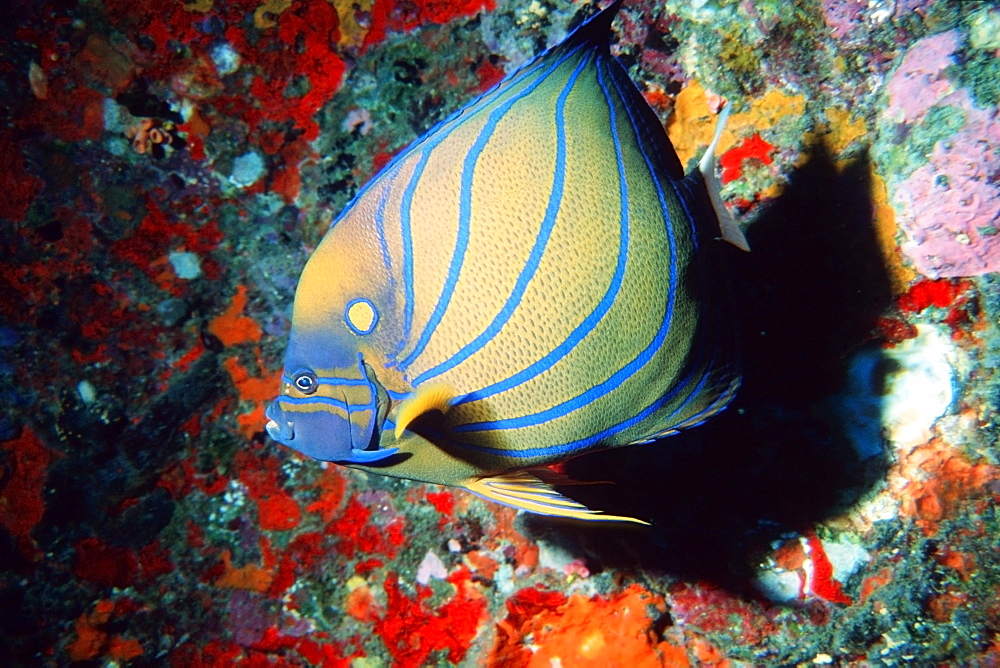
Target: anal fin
524 491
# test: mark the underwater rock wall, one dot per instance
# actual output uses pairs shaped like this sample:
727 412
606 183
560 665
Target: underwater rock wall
166 170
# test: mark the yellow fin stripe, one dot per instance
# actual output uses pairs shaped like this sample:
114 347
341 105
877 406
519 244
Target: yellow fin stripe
435 397
525 492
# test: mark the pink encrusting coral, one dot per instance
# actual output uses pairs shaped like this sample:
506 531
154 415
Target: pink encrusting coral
844 17
920 81
949 207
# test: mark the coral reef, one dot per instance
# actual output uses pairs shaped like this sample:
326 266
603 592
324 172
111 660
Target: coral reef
949 207
168 168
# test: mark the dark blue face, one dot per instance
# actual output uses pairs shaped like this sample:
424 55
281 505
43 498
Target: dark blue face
326 413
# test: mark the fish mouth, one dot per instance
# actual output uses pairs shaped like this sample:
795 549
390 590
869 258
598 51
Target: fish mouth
278 427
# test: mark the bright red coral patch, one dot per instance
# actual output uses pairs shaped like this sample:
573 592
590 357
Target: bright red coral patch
823 583
387 14
278 512
926 293
411 633
358 534
751 148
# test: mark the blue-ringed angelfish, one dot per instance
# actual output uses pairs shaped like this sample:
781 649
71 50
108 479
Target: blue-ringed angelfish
533 279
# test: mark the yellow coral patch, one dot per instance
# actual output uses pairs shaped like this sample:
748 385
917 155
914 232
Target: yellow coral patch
200 6
835 136
595 631
250 577
266 15
884 224
842 131
692 124
352 33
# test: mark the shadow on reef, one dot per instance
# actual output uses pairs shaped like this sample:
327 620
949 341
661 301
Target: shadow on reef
778 459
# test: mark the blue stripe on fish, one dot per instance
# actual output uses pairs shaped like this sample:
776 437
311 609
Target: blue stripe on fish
383 201
537 250
592 394
331 380
426 146
588 441
465 214
595 316
305 401
531 279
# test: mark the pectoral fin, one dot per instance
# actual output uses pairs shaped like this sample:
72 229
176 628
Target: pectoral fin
424 399
369 456
524 491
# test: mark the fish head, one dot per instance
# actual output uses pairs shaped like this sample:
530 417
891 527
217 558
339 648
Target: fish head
331 404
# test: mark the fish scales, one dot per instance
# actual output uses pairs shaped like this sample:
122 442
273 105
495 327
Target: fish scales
532 279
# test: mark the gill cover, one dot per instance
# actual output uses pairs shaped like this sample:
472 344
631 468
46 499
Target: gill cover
331 403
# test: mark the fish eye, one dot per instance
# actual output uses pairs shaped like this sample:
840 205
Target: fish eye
305 382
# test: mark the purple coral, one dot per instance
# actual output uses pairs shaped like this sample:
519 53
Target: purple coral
950 207
843 17
249 617
920 81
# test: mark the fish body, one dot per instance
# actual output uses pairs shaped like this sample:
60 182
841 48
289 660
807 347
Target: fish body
533 279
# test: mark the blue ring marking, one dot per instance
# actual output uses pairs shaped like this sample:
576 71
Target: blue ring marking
465 213
622 374
595 316
347 318
538 249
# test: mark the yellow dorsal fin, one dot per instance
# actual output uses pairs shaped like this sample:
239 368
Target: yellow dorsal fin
427 398
526 492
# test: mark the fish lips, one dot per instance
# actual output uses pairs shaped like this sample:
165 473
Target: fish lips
317 434
278 427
